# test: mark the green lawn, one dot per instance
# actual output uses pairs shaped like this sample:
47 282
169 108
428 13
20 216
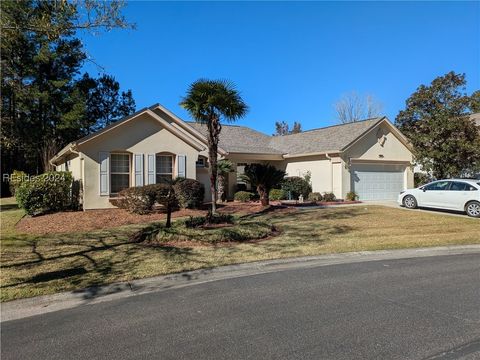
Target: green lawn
35 265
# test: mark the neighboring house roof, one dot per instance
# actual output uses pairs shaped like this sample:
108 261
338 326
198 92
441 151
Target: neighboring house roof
476 118
240 139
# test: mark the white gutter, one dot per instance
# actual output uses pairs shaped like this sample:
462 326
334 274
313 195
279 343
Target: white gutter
331 171
288 156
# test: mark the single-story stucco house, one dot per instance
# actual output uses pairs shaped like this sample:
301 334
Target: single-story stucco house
370 157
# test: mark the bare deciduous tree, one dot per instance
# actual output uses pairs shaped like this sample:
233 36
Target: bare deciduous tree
353 107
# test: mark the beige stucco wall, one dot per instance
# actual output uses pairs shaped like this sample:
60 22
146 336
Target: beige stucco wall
142 136
75 168
320 168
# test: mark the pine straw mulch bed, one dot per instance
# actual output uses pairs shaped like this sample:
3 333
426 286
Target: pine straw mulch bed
82 221
243 230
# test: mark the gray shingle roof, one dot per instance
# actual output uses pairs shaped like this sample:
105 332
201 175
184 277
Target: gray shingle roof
476 117
332 138
242 139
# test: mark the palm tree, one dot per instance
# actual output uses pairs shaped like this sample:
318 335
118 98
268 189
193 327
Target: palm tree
224 167
208 102
264 178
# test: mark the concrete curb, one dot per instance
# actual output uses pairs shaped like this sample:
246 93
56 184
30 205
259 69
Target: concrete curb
22 308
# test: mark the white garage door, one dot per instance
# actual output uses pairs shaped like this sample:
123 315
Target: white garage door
378 182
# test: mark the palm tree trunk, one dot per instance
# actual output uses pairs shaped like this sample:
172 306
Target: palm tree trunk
221 187
213 178
263 195
214 129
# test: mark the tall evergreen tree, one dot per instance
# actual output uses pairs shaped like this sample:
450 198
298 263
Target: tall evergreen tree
44 103
282 128
446 142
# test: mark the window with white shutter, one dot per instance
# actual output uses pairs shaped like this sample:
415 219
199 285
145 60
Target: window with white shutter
119 172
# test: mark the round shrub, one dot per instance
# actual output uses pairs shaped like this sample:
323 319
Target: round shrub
329 197
137 200
141 199
189 193
243 196
351 196
277 194
315 196
296 186
44 193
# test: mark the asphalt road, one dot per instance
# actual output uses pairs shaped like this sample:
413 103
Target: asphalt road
425 308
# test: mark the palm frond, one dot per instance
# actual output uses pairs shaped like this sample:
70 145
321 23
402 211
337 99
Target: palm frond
266 175
208 98
225 166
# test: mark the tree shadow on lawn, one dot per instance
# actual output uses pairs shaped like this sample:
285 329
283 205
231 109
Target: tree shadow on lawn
91 260
284 214
97 263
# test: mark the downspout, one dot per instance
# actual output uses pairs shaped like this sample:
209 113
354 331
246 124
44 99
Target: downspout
331 171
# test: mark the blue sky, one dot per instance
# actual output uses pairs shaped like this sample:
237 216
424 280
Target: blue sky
290 60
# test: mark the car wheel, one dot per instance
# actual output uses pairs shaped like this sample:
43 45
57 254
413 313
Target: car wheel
473 209
410 202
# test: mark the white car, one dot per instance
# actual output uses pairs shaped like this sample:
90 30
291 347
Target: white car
451 194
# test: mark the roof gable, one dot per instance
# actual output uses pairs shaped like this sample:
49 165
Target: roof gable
165 124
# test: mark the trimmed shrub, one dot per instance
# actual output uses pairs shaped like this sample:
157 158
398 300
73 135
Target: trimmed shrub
189 193
315 196
17 177
243 196
329 197
142 199
45 193
296 186
138 200
277 194
351 196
